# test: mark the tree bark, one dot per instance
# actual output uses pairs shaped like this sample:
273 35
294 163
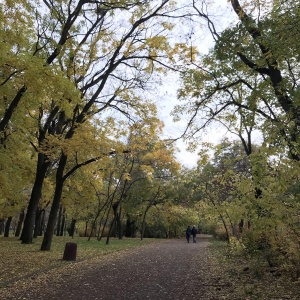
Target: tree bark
12 107
104 225
58 226
72 228
1 226
100 208
63 224
110 230
130 228
38 223
20 223
42 167
7 227
59 182
115 207
86 228
119 224
101 232
42 223
144 221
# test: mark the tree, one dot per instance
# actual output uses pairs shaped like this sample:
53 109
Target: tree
264 225
217 185
249 82
97 82
251 71
17 167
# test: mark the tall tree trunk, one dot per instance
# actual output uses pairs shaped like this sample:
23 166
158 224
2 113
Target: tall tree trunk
133 229
93 227
63 224
42 224
95 220
42 168
86 228
115 207
58 226
119 224
100 233
112 224
59 183
241 226
7 227
46 244
105 223
1 226
144 221
38 223
72 228
20 223
129 229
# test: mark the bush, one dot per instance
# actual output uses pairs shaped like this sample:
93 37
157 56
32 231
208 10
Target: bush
278 247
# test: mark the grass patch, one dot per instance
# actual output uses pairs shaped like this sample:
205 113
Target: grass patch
20 261
251 278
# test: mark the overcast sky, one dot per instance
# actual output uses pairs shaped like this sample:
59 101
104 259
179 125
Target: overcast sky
220 11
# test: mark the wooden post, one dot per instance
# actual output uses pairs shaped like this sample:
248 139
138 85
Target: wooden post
70 251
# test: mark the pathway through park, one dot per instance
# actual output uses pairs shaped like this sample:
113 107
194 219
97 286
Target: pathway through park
171 269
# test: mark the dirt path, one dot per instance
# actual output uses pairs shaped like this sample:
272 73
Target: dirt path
172 269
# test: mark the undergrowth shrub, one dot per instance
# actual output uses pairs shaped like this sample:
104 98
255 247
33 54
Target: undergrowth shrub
279 247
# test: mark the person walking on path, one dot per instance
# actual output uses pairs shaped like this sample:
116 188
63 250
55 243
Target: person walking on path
194 232
188 233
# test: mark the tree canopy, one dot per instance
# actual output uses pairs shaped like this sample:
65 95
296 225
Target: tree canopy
248 83
80 135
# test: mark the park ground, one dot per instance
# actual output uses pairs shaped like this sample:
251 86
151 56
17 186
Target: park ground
155 270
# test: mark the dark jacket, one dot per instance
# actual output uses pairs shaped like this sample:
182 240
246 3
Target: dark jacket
188 231
194 231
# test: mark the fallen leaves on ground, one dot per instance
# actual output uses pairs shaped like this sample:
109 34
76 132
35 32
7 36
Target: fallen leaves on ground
213 272
250 279
19 261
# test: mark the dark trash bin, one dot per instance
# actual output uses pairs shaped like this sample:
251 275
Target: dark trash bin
70 251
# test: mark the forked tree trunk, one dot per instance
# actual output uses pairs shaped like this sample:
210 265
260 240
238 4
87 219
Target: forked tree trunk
112 224
95 220
100 232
